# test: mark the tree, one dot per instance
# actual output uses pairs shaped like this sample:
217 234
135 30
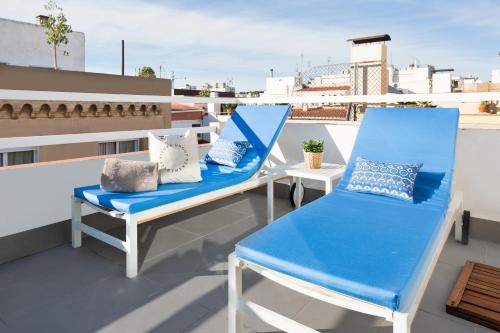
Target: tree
56 28
205 92
147 71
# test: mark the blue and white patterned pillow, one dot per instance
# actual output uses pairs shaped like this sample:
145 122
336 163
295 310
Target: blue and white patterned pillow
389 179
227 152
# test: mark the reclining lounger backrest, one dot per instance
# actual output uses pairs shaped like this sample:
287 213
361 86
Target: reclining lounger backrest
411 135
260 125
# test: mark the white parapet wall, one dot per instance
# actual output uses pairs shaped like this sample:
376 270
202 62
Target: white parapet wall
24 44
39 195
33 196
477 158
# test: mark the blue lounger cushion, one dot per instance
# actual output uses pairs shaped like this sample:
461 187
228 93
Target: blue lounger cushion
246 124
363 245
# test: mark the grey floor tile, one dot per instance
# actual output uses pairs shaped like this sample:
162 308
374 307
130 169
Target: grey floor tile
455 253
207 254
493 254
191 257
4 328
254 325
165 312
272 295
25 284
154 240
86 309
428 323
327 317
482 329
442 281
255 204
211 221
182 286
214 322
207 290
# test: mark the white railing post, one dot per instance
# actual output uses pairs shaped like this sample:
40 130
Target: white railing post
213 110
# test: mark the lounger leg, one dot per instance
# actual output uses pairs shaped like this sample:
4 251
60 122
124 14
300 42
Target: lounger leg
132 251
400 323
298 192
458 217
235 292
270 199
76 220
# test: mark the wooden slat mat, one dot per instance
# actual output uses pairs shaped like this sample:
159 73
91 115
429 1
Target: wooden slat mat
476 296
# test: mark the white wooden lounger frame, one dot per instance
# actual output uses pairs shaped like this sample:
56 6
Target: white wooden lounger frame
401 319
130 245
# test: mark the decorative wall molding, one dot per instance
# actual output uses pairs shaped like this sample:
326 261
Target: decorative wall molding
36 109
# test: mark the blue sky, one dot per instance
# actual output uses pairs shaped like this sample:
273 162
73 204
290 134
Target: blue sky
208 41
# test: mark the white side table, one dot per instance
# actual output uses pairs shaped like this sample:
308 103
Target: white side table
328 174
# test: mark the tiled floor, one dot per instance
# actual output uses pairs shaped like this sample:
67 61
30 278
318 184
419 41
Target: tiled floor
182 283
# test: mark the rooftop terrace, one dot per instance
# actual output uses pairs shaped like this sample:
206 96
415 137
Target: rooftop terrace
182 285
182 282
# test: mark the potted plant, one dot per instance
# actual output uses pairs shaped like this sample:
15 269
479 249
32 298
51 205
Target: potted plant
493 107
229 108
313 153
484 106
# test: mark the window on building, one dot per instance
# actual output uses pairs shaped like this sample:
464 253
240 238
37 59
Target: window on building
128 146
18 157
118 147
200 136
107 148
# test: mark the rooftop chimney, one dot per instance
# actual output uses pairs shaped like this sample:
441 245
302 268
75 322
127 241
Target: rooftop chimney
272 72
41 18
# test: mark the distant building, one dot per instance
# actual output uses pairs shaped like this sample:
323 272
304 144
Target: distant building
413 79
222 90
331 80
283 86
187 114
222 87
20 118
495 76
323 91
24 44
249 94
420 79
474 84
441 82
369 74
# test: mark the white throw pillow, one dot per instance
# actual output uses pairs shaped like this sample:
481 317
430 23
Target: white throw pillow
177 157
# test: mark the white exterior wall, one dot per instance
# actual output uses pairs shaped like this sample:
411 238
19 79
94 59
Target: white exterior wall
441 82
495 76
24 44
368 53
279 86
35 196
343 79
475 170
186 123
414 79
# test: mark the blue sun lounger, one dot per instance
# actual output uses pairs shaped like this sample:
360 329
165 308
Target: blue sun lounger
260 125
363 252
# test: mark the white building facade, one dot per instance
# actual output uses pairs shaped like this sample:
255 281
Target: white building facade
280 86
24 44
495 76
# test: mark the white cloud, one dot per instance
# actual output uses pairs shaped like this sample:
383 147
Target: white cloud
218 45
